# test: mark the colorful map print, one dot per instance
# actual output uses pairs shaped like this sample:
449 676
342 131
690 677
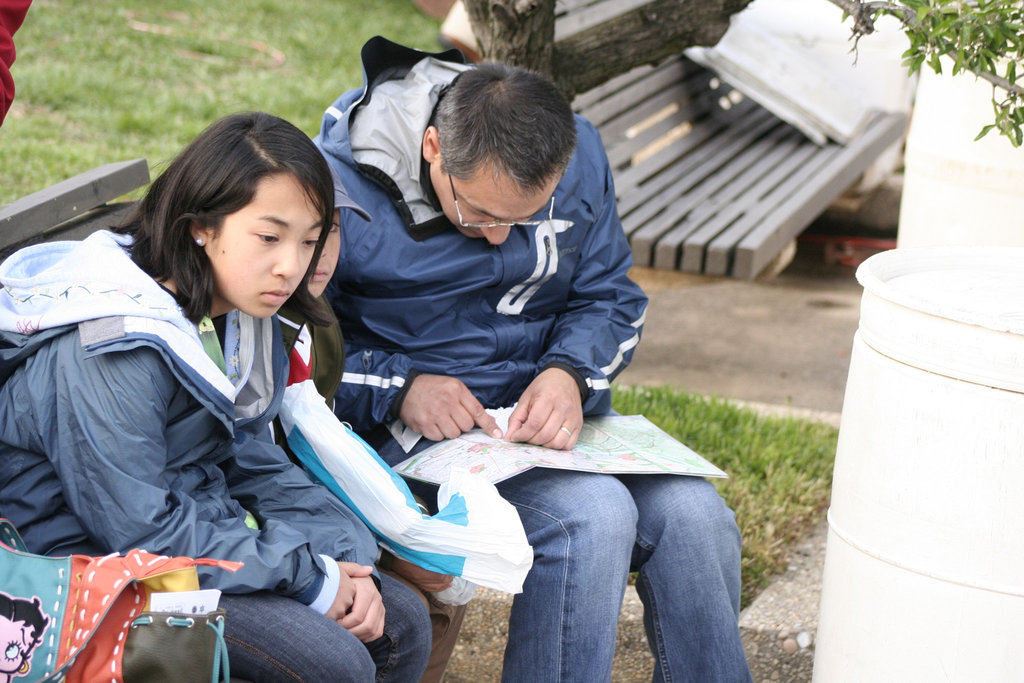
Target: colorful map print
620 444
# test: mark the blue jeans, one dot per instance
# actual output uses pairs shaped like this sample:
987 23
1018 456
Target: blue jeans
588 531
273 638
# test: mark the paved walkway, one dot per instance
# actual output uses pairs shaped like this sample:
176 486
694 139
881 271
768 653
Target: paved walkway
784 341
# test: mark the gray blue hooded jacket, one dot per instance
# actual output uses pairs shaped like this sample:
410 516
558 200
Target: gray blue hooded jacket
117 431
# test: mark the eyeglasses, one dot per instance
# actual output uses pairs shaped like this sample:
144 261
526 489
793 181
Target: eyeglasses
495 224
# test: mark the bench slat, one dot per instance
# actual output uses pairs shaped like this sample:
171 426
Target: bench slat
78 228
679 101
648 140
689 204
713 192
620 96
686 154
729 227
737 196
783 224
635 201
696 183
677 194
573 16
28 216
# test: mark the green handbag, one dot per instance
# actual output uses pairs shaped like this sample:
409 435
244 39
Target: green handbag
171 646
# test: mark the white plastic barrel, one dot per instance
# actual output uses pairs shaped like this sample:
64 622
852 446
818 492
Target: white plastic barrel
957 190
924 565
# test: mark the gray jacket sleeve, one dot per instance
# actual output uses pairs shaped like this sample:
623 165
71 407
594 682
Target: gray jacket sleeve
262 478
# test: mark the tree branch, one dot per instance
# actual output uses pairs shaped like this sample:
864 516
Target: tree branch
864 13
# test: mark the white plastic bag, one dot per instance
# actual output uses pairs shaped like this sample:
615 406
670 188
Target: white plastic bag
476 534
459 593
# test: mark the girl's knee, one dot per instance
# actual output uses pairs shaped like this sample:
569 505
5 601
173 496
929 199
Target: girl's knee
407 624
344 660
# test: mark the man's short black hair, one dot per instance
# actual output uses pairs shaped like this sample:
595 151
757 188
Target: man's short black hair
512 119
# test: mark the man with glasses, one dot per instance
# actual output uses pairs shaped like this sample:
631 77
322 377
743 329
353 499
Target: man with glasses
493 274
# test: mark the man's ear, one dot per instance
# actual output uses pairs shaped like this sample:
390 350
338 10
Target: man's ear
431 145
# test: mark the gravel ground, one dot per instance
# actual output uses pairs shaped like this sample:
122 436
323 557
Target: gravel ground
477 656
779 627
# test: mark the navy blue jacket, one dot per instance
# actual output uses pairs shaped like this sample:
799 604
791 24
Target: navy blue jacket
413 294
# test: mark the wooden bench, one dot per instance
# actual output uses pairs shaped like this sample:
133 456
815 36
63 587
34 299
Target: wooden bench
708 181
73 208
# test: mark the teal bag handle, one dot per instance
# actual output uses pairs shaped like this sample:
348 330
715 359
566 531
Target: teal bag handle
10 536
220 652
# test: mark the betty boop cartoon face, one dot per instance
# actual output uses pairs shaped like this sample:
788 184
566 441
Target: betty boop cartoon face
22 623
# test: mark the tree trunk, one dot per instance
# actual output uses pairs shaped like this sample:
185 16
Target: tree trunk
516 32
521 32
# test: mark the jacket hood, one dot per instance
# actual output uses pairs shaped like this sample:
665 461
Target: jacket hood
56 284
51 287
402 87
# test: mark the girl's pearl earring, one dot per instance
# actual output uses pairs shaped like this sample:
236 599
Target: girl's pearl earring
200 241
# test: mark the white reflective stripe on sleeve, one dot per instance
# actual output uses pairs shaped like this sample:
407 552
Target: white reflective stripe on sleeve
640 321
598 384
620 355
334 111
626 345
373 380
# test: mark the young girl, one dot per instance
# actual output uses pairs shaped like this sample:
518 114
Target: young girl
318 353
140 371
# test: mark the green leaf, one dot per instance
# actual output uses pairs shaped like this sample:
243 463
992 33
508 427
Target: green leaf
914 63
984 131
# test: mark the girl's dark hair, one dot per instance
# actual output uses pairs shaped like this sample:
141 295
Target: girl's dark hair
214 176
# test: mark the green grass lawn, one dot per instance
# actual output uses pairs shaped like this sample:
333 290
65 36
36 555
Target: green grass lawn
105 80
780 469
100 81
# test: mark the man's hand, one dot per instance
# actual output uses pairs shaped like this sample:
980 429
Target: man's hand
440 407
424 579
358 606
549 413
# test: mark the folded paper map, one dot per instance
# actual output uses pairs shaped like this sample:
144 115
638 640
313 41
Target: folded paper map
619 444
